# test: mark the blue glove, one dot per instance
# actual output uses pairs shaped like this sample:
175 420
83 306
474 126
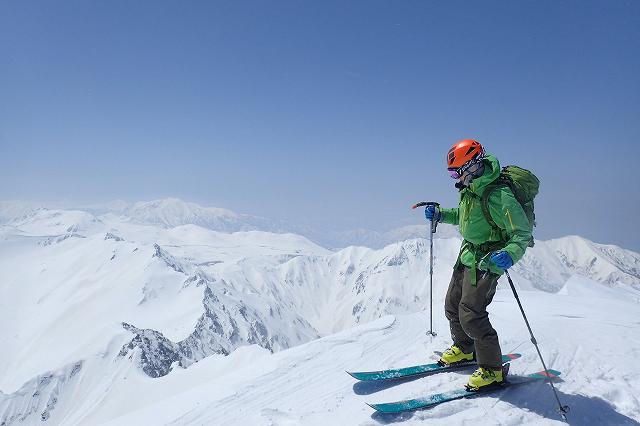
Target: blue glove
502 259
432 214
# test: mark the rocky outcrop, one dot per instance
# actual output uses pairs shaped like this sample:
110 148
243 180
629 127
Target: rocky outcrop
35 401
227 323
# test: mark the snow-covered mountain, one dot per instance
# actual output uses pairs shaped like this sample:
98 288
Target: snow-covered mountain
12 210
167 212
105 315
378 239
171 212
608 264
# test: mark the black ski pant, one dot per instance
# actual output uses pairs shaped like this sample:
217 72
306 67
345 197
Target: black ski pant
466 309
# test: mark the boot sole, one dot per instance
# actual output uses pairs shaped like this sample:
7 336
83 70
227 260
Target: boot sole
441 363
491 386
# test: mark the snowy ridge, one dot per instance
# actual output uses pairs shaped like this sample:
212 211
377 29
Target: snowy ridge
377 239
12 210
46 222
172 212
143 306
227 323
36 399
608 264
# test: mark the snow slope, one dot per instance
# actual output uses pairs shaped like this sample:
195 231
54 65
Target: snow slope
110 318
63 296
579 334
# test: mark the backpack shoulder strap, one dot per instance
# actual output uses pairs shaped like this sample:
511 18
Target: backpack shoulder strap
484 200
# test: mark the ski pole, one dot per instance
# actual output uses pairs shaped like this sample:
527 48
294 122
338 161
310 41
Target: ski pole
562 409
432 230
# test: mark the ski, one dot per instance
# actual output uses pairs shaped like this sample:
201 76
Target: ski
420 403
417 370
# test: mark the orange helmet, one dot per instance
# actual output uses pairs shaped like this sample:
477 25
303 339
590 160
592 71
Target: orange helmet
462 152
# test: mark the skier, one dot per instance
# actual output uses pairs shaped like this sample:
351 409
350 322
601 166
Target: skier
485 253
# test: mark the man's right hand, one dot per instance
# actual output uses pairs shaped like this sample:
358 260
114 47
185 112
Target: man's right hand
431 213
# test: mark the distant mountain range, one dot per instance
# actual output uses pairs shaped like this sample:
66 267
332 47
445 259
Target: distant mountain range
171 212
161 285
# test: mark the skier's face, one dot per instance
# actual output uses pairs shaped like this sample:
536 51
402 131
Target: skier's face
467 173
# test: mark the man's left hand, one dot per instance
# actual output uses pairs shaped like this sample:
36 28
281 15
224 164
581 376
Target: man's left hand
502 259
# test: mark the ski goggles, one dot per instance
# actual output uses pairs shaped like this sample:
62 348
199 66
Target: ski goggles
457 173
454 174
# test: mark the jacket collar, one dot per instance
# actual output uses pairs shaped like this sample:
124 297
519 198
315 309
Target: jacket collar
491 172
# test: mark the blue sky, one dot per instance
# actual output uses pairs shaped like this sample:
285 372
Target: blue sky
334 113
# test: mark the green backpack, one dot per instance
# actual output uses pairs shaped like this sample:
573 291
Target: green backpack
524 186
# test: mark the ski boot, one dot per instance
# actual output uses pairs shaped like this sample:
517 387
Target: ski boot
454 356
486 378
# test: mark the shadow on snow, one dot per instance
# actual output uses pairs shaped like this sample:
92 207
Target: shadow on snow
584 410
367 388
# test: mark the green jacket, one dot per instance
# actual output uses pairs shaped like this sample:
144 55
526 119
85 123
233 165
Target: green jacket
479 237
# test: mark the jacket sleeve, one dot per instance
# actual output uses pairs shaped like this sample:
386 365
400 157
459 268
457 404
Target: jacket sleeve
508 214
449 216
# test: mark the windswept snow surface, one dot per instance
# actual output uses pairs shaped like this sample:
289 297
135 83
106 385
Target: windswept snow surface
107 318
579 334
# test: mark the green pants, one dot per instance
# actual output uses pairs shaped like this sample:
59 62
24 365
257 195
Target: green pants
466 309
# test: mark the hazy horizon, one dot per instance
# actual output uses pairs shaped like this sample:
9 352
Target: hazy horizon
317 228
331 114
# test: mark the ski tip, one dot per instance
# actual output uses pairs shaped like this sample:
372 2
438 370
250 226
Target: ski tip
374 406
363 376
352 374
366 376
513 356
383 408
552 374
